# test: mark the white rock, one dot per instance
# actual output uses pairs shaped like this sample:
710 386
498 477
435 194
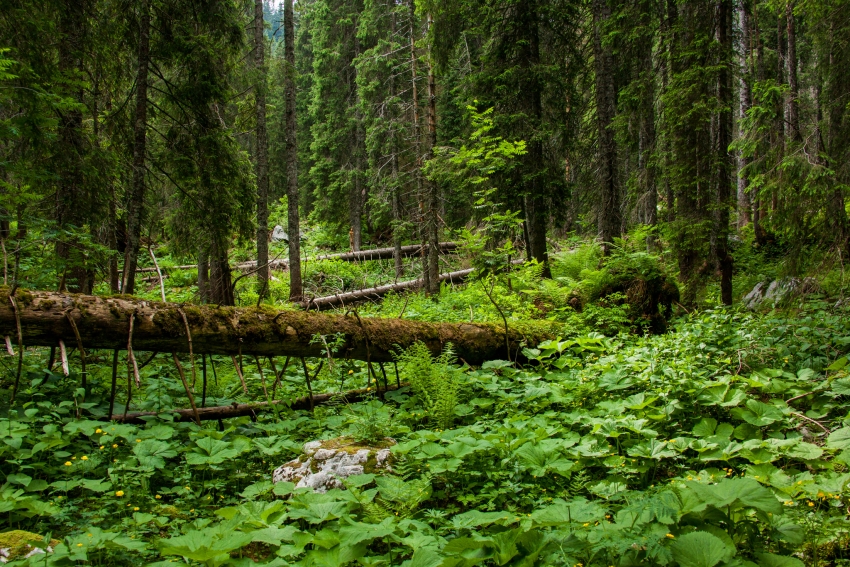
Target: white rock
325 463
778 291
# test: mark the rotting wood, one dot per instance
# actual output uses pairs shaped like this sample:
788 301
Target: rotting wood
243 410
264 331
361 256
351 297
372 293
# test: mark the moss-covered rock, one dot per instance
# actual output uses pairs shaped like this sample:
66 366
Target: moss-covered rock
18 544
324 464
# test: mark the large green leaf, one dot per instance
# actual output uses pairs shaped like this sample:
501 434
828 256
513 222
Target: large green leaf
839 439
152 453
760 414
210 546
209 451
699 549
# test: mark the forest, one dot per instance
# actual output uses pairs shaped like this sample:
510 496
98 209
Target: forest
427 283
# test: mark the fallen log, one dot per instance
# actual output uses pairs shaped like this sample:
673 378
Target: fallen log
361 256
103 323
242 410
369 293
351 297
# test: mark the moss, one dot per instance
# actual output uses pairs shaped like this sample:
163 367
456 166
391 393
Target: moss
24 297
19 543
170 511
46 304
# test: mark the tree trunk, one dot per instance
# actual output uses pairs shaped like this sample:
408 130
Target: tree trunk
242 410
395 189
262 151
296 289
646 135
433 198
103 323
204 275
838 85
722 205
221 285
609 198
136 200
791 73
70 201
417 146
745 103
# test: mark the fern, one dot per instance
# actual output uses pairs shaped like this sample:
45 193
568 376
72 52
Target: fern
434 381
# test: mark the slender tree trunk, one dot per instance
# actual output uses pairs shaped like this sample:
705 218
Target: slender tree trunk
417 146
262 151
761 74
791 72
668 20
433 202
647 135
609 199
838 85
136 200
745 103
70 205
221 284
204 275
296 290
722 206
396 189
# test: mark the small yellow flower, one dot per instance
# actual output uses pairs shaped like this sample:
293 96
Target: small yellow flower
79 545
101 447
119 493
192 510
187 488
350 372
98 430
138 440
671 536
84 458
73 458
67 463
115 445
811 503
586 524
135 509
157 496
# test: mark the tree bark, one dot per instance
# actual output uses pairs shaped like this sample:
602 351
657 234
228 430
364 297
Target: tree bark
417 144
433 198
745 102
609 221
103 323
220 284
372 293
242 410
262 150
70 201
720 232
296 288
136 200
791 73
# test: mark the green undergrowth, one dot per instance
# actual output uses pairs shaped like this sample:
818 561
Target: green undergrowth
723 442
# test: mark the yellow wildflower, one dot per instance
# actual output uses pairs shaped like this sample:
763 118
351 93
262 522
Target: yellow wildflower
84 458
671 536
119 493
67 463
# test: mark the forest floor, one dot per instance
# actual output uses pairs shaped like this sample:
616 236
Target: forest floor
724 441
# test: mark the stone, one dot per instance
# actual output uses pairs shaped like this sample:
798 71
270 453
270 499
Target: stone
324 464
771 294
279 235
19 544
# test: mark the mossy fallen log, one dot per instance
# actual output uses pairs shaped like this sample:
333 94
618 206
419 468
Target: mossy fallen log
103 323
350 297
242 410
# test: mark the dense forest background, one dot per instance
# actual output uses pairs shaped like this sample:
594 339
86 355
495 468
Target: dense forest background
130 125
